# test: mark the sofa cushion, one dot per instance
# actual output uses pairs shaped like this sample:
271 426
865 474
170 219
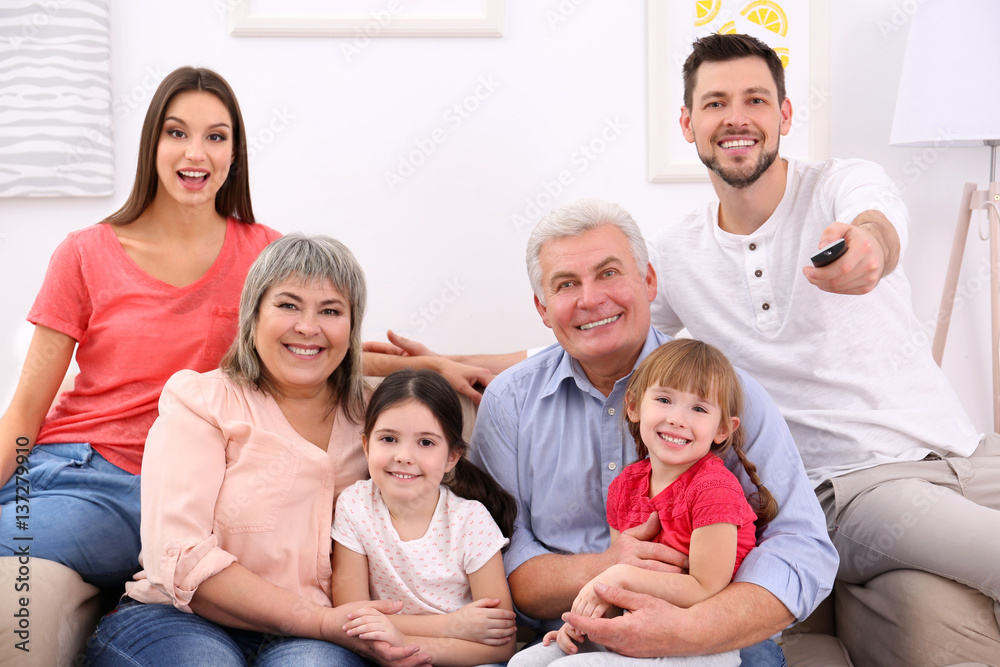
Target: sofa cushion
62 611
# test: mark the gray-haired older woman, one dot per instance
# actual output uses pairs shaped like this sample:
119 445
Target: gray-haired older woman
240 475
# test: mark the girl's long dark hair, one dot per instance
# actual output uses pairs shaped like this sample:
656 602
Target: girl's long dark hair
467 480
698 368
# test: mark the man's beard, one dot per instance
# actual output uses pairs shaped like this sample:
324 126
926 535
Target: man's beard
764 162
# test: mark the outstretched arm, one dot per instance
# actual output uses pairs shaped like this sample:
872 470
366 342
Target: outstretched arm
468 374
872 253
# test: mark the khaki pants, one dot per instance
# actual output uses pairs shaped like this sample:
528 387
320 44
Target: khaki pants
940 515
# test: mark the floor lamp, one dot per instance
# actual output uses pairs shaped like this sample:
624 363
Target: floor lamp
949 95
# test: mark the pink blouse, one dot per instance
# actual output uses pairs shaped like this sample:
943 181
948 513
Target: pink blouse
226 479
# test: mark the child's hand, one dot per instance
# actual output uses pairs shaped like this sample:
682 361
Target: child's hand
587 603
372 625
565 638
482 621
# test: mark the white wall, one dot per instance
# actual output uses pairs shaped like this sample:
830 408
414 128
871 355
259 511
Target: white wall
329 128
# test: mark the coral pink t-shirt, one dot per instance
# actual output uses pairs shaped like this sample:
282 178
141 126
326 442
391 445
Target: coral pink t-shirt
706 493
133 332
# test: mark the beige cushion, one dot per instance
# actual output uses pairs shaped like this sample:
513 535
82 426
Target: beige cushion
62 612
811 643
917 619
814 650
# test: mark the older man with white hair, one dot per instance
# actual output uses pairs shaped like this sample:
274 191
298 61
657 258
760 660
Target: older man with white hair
551 431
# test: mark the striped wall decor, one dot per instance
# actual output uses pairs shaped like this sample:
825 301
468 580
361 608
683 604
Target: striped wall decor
55 99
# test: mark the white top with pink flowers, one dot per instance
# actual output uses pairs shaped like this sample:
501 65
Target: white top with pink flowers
429 575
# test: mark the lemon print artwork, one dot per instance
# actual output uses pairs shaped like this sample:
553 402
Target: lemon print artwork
705 11
767 14
728 28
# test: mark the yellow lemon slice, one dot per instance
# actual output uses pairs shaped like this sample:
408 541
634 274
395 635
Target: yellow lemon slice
783 54
705 11
728 28
768 14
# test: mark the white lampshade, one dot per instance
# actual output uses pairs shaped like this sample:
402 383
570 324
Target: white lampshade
949 90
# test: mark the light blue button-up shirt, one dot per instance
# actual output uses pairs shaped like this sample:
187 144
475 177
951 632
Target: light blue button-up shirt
555 442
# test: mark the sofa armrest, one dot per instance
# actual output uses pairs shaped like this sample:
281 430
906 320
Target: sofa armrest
60 615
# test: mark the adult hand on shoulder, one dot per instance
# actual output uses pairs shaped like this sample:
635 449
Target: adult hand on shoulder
650 628
872 252
634 548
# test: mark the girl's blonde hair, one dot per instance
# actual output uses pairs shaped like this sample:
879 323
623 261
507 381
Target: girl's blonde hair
696 367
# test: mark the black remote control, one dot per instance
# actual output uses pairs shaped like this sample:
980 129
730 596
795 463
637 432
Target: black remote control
830 253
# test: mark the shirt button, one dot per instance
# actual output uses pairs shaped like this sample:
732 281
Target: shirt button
753 246
766 306
611 411
612 466
758 273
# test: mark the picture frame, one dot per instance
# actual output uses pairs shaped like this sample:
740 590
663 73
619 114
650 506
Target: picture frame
800 32
385 18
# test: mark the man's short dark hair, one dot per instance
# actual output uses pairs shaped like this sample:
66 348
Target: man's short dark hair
721 48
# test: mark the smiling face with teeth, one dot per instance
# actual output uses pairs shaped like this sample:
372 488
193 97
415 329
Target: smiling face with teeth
736 120
195 150
303 333
678 428
408 456
596 301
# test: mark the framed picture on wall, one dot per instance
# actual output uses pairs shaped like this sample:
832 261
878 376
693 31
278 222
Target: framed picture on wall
55 100
366 18
798 30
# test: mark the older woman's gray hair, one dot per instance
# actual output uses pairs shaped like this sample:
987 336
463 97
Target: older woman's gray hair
574 219
305 258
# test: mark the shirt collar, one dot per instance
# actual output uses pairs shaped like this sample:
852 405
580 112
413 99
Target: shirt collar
568 367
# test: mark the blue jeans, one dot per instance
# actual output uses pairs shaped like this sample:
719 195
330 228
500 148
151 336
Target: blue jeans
77 509
158 634
764 654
